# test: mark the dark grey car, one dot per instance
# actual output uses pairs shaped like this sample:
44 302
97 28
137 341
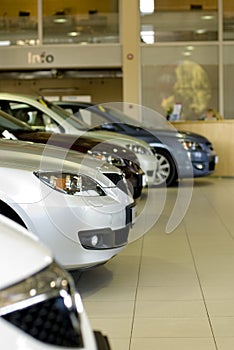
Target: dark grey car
180 154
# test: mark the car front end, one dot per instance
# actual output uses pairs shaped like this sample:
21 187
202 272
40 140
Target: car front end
40 307
202 154
78 212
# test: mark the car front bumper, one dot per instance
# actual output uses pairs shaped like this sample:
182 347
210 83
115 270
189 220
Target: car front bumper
203 163
148 164
59 220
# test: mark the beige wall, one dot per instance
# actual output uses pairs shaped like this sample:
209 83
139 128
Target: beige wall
100 90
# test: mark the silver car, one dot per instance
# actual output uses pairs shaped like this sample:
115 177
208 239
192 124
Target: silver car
40 308
66 200
45 116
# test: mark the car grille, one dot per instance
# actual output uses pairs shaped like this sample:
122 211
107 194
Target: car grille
48 321
118 180
45 306
149 172
212 165
210 146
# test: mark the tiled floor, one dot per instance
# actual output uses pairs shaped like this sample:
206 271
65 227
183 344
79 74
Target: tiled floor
171 291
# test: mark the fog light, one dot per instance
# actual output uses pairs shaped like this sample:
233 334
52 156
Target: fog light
199 166
94 240
104 238
97 239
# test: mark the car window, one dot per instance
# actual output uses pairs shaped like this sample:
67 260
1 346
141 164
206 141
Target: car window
5 106
31 115
92 119
7 124
28 114
96 120
65 115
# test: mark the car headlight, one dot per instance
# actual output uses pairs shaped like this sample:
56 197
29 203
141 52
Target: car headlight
191 145
139 149
109 158
72 184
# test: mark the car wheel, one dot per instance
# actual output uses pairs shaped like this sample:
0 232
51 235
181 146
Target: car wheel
166 169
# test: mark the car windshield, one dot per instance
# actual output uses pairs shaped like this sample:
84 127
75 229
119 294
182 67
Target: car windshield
120 116
75 122
150 119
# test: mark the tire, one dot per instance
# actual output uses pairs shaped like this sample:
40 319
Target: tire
166 173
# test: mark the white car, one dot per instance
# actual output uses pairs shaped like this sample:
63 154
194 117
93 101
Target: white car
40 308
44 115
66 200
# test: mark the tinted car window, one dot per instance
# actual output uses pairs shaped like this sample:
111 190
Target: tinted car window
7 124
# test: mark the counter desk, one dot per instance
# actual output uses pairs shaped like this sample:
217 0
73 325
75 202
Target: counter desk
221 134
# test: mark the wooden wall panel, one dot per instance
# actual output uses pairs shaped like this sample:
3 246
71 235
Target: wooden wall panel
182 5
220 133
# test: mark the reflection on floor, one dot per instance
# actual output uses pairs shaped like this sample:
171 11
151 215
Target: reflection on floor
171 291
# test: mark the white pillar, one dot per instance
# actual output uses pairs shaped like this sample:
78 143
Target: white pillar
131 63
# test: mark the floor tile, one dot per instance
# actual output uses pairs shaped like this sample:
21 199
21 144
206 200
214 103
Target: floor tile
171 327
113 327
225 343
220 308
173 343
109 309
171 291
223 326
170 308
176 292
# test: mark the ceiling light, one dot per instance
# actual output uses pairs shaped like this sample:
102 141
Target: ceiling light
201 31
190 48
5 43
60 20
207 17
73 34
148 36
186 53
146 6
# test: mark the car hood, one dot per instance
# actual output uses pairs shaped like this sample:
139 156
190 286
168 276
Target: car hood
168 136
118 138
22 254
35 156
193 136
178 134
83 144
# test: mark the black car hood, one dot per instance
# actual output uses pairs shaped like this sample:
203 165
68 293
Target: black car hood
81 144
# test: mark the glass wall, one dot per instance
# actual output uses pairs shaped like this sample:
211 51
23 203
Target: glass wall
18 23
180 21
228 20
82 22
228 59
182 74
70 22
184 57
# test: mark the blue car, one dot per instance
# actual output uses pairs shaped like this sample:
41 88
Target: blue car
180 154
